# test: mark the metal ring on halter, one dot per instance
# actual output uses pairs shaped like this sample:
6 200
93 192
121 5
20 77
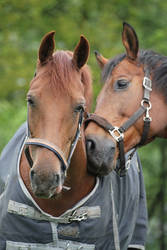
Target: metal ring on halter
143 102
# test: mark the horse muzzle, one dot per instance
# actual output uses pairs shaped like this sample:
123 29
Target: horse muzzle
46 186
100 154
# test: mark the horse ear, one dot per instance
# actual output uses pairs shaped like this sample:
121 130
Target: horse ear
81 53
130 41
100 59
47 47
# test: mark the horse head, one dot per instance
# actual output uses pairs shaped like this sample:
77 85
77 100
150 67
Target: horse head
130 109
57 99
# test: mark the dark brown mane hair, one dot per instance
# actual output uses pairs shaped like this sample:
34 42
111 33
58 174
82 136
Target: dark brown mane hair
155 63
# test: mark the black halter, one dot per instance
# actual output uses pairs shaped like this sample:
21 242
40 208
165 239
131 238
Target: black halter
118 133
50 146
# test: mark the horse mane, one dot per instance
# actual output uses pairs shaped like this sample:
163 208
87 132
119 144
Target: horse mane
87 82
155 63
112 63
62 71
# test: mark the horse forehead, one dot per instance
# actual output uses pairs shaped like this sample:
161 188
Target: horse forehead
46 82
128 67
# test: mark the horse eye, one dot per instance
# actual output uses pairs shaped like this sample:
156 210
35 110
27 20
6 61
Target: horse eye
30 101
121 84
79 108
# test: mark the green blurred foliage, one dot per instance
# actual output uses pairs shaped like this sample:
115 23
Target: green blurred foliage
23 24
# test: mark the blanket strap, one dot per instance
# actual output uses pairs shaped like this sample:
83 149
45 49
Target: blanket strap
79 214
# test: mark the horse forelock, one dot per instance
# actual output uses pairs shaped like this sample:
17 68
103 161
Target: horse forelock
61 71
61 74
155 63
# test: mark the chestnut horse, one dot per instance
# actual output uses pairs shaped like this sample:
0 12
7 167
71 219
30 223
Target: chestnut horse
131 108
59 96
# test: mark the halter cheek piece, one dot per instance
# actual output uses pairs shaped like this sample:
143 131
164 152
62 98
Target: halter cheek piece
118 133
50 146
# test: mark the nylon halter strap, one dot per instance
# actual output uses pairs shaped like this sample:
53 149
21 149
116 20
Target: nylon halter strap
118 133
51 146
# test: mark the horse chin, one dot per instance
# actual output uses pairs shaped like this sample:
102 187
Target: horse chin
46 186
59 191
49 194
100 170
56 193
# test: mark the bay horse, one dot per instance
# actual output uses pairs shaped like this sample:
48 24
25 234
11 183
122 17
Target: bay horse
131 107
118 100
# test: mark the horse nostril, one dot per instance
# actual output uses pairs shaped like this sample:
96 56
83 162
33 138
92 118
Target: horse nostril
32 173
90 145
57 179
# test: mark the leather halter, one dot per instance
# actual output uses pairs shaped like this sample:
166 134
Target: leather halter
51 146
118 133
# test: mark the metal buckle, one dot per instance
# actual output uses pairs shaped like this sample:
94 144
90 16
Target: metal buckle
80 217
117 136
147 83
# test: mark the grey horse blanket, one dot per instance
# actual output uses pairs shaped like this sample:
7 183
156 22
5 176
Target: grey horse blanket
112 217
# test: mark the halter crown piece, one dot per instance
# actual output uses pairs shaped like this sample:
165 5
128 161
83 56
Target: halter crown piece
51 146
118 133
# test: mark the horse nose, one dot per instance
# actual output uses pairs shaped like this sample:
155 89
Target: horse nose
54 179
96 144
100 154
32 173
42 184
90 144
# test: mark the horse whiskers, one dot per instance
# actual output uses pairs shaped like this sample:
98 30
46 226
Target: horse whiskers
66 188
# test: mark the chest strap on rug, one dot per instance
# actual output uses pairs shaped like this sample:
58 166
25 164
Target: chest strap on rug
62 245
79 214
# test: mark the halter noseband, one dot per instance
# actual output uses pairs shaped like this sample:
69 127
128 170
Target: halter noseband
50 146
118 133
